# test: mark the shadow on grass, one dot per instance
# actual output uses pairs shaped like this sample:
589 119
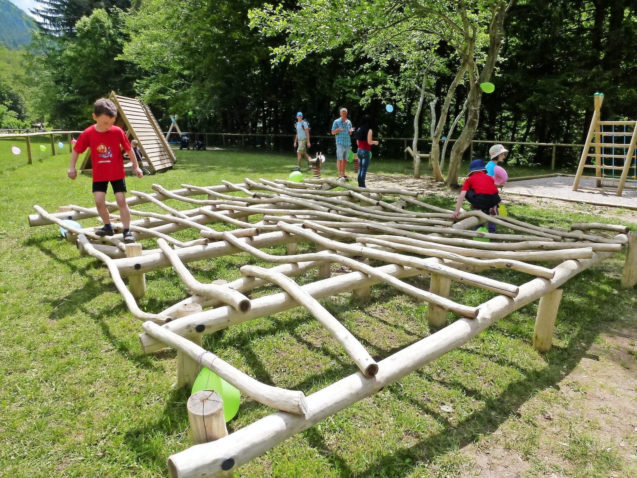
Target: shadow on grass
496 410
147 442
76 299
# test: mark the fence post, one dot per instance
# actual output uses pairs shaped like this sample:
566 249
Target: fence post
553 158
52 145
70 145
30 161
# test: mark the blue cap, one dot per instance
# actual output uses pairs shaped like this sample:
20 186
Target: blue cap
477 165
299 114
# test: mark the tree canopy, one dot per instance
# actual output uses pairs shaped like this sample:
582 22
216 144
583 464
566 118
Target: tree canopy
248 66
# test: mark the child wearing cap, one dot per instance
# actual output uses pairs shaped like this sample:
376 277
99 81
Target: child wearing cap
480 190
302 138
497 153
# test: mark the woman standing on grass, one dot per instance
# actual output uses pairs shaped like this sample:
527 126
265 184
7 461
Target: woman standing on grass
364 140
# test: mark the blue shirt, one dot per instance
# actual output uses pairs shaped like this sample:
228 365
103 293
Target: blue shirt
342 137
301 126
491 168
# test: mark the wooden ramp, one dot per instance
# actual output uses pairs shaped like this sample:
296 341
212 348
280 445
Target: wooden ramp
610 151
139 123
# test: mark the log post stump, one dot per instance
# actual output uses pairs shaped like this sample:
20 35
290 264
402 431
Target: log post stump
205 414
439 285
291 248
362 294
136 282
545 320
325 268
629 276
187 368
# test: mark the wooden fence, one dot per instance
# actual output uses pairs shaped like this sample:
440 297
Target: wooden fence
283 142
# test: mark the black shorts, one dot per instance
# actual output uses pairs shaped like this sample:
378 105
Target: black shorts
484 202
119 186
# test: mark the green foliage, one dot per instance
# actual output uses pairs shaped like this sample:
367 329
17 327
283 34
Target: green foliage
13 92
15 26
59 17
72 71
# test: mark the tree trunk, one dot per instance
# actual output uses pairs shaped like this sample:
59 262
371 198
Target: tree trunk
496 30
414 143
434 155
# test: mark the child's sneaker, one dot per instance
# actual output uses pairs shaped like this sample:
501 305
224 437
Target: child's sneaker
129 238
105 231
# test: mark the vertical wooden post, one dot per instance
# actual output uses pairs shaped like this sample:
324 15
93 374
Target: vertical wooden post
553 158
70 139
598 100
291 248
598 152
362 293
187 368
52 144
545 320
205 414
439 285
324 270
629 276
30 160
136 282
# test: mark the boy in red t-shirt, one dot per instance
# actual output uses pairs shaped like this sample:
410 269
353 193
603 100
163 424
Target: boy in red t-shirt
106 142
480 190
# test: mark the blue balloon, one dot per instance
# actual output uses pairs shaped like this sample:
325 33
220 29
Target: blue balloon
61 144
69 223
443 138
389 108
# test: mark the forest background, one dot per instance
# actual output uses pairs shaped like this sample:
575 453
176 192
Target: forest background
246 66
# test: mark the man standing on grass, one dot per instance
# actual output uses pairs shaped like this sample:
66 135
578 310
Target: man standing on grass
342 129
302 138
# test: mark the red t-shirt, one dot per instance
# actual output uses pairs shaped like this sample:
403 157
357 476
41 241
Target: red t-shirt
106 152
481 183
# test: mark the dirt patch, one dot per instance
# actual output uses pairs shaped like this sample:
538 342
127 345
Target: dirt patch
591 413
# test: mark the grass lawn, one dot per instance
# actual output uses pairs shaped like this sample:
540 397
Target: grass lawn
80 399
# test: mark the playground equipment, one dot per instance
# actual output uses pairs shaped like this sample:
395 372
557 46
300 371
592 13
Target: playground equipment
175 126
337 224
614 154
139 123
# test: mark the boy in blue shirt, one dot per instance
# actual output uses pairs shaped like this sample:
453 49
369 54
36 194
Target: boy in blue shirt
302 138
342 129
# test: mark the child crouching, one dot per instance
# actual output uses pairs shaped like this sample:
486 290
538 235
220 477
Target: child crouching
480 190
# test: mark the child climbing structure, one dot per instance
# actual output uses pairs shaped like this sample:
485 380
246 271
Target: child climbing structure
139 123
338 239
613 155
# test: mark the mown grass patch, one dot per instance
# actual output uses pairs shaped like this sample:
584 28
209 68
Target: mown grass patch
79 398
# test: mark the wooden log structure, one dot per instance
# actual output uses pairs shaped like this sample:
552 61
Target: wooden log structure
258 437
373 238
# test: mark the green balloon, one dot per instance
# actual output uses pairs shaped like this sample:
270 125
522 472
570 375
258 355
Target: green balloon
208 380
42 147
296 176
350 158
482 239
487 87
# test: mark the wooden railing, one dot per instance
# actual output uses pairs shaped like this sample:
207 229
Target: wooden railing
51 134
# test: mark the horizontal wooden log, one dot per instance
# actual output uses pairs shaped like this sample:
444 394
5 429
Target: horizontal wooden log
353 347
424 264
224 294
327 257
228 453
158 260
210 321
287 400
119 283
